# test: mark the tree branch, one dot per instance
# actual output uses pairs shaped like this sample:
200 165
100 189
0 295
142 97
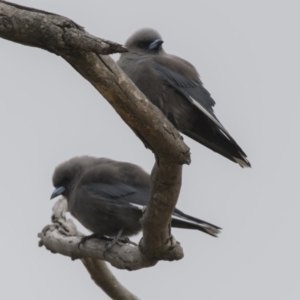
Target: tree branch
62 237
21 24
83 51
103 277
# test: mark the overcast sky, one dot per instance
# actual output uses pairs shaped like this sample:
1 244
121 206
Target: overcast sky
247 53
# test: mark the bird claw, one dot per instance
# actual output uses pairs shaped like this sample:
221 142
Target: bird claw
113 241
108 245
124 240
89 237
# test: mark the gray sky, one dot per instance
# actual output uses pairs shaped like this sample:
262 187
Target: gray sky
247 53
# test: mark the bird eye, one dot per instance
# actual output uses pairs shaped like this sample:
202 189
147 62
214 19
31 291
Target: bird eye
141 45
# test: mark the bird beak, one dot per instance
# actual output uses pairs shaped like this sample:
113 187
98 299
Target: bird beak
58 191
155 44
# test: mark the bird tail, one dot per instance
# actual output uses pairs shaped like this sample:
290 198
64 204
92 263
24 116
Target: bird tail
219 142
181 220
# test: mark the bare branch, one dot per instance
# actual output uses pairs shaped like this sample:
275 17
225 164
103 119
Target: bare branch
49 31
81 40
59 238
64 37
103 277
62 237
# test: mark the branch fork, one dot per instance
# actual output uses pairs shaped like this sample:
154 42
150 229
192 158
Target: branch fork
87 55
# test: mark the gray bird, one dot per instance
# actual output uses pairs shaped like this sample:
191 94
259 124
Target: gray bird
174 86
107 197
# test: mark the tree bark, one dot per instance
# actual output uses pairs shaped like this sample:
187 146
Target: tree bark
85 53
103 277
62 237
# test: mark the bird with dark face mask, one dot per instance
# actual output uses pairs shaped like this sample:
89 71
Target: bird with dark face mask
107 197
173 85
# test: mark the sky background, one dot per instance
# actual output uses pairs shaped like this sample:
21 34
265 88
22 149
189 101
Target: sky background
247 53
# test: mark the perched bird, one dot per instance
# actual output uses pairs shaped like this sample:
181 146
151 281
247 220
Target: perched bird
173 85
107 197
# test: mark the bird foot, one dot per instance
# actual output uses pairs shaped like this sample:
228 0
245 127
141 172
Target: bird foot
109 245
92 236
114 240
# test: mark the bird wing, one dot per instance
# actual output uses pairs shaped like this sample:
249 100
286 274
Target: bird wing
107 189
171 69
118 192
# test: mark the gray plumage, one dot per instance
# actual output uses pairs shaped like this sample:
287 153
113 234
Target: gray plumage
107 196
173 85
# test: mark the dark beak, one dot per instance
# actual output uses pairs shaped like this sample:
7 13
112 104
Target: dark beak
155 45
58 191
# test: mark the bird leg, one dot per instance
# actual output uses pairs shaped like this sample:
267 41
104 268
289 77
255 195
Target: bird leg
115 239
92 236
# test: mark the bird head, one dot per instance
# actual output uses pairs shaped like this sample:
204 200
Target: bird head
68 173
145 41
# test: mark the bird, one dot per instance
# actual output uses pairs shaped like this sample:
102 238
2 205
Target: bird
174 86
108 197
